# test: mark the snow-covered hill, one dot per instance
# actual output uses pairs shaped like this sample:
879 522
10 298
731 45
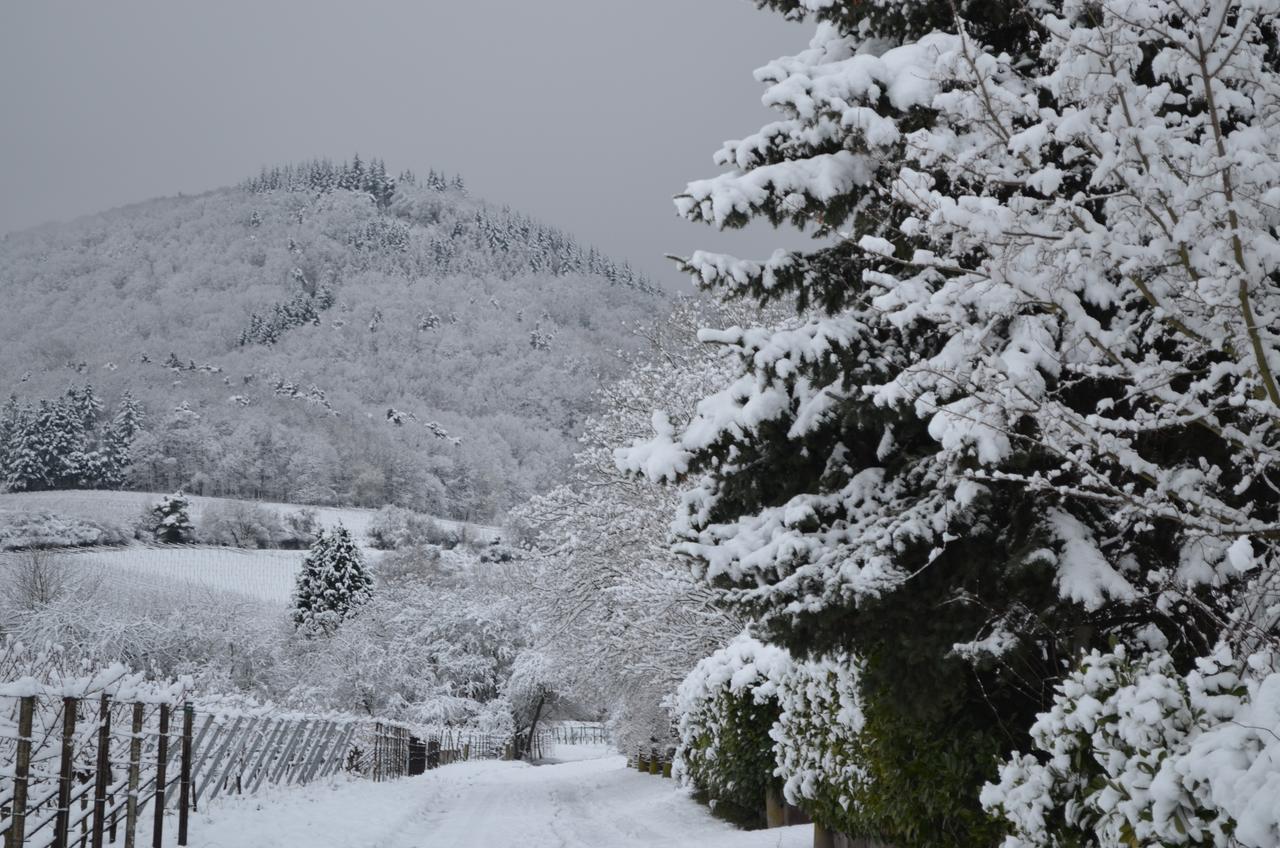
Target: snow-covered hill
325 340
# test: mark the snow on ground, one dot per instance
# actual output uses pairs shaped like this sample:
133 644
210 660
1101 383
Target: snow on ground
261 575
592 803
562 753
124 508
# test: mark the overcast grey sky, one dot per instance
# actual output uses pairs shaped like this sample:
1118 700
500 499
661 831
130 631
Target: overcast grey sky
588 114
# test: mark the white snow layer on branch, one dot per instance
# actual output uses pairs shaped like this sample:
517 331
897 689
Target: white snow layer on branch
1138 754
1093 224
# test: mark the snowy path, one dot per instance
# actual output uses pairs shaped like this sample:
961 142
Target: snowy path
588 804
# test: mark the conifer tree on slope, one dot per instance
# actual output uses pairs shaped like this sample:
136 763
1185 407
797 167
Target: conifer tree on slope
171 519
333 583
113 454
1029 404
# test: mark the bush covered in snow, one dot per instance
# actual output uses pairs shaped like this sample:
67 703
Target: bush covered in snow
1135 753
396 527
241 524
30 530
816 739
727 706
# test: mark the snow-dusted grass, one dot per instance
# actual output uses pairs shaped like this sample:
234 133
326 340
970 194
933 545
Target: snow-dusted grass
597 803
124 508
261 575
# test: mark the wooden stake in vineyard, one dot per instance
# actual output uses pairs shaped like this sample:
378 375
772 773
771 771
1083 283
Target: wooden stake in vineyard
103 777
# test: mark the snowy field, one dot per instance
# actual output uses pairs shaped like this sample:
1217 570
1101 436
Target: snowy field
123 509
591 803
260 575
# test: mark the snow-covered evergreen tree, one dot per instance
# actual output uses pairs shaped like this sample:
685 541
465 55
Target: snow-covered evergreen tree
171 519
1029 404
113 455
333 583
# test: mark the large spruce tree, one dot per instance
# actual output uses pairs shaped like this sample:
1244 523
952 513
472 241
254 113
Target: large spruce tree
1027 402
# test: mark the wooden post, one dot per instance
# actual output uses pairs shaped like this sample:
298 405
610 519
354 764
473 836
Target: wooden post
135 758
61 826
184 791
823 838
102 778
197 748
17 831
203 751
774 810
162 762
404 752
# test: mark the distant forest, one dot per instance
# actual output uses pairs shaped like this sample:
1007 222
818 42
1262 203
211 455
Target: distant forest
322 333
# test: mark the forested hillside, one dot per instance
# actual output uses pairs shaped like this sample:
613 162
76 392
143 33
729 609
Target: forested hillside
322 333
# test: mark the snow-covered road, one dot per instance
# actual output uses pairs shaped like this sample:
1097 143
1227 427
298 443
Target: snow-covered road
595 803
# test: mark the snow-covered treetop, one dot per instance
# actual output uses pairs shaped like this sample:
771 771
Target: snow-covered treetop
1054 250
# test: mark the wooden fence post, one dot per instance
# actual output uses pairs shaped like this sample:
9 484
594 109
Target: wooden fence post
135 758
774 807
22 769
162 762
65 767
102 778
184 792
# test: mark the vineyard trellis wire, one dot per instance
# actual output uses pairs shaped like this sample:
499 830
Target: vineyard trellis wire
81 759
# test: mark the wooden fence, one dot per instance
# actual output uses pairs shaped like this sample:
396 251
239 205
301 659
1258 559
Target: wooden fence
579 733
82 771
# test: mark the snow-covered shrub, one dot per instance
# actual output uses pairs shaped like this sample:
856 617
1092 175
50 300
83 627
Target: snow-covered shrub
861 764
816 738
241 524
333 583
34 579
169 520
396 527
726 708
301 529
1134 753
409 566
27 530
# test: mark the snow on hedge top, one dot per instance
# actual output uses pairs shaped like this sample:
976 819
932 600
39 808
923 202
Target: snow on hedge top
1135 753
744 665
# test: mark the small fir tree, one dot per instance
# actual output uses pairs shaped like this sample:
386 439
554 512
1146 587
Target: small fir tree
171 519
333 583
